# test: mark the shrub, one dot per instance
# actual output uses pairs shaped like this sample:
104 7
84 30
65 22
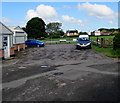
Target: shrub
116 41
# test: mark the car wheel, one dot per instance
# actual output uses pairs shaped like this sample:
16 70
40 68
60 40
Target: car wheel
76 47
90 47
38 45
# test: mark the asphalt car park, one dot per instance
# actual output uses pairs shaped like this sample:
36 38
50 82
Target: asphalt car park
60 73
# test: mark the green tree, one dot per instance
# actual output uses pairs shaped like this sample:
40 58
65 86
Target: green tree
54 29
83 33
116 41
35 28
24 29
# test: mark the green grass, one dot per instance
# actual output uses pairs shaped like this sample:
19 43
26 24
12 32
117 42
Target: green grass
61 43
95 37
57 39
71 38
107 51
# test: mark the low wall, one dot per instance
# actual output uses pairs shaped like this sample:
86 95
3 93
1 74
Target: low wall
12 53
18 47
1 53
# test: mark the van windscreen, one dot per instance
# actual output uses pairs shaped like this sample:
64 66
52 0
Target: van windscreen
83 39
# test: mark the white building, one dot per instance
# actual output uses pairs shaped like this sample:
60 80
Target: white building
6 42
19 37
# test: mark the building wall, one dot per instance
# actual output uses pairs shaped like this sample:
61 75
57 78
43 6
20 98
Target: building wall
19 39
12 51
1 42
19 46
11 40
1 53
71 34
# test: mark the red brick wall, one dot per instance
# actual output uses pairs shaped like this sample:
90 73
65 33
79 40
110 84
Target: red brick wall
12 51
1 53
72 34
15 47
21 46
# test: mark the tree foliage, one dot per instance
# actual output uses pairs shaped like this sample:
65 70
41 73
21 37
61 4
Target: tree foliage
116 41
36 28
54 29
83 33
109 30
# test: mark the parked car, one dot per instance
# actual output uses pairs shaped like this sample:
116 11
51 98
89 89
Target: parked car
34 43
83 42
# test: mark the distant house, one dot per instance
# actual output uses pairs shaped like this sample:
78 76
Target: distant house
19 37
105 33
6 42
96 33
72 33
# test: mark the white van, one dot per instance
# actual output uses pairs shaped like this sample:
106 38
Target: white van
83 42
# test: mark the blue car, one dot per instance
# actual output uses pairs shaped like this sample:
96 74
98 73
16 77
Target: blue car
34 43
83 42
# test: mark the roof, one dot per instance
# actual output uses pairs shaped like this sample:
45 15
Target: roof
4 29
72 31
17 29
83 36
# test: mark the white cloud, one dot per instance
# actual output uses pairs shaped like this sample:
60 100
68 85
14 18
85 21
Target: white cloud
45 12
5 20
99 11
110 22
30 14
72 20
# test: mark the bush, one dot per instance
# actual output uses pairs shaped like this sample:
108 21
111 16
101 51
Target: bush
116 41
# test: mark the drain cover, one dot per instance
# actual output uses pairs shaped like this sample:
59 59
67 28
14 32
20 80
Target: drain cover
58 73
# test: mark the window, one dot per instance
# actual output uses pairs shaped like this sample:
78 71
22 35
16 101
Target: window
84 39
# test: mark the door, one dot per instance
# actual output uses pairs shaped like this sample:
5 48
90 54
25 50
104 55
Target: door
6 46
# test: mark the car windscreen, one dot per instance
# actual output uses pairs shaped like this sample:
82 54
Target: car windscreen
83 39
28 41
37 41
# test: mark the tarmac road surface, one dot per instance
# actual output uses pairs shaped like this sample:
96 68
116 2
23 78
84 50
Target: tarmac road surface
60 73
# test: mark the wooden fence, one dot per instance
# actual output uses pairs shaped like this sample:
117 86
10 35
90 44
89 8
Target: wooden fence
104 42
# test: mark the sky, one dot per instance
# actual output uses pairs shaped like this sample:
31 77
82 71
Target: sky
82 16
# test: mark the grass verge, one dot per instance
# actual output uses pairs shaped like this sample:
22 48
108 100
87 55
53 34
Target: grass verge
107 51
99 37
60 43
57 39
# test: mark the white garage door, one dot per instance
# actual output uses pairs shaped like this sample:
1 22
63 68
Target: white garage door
20 40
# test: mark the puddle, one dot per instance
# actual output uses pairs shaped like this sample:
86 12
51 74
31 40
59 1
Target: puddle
58 73
44 66
21 67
